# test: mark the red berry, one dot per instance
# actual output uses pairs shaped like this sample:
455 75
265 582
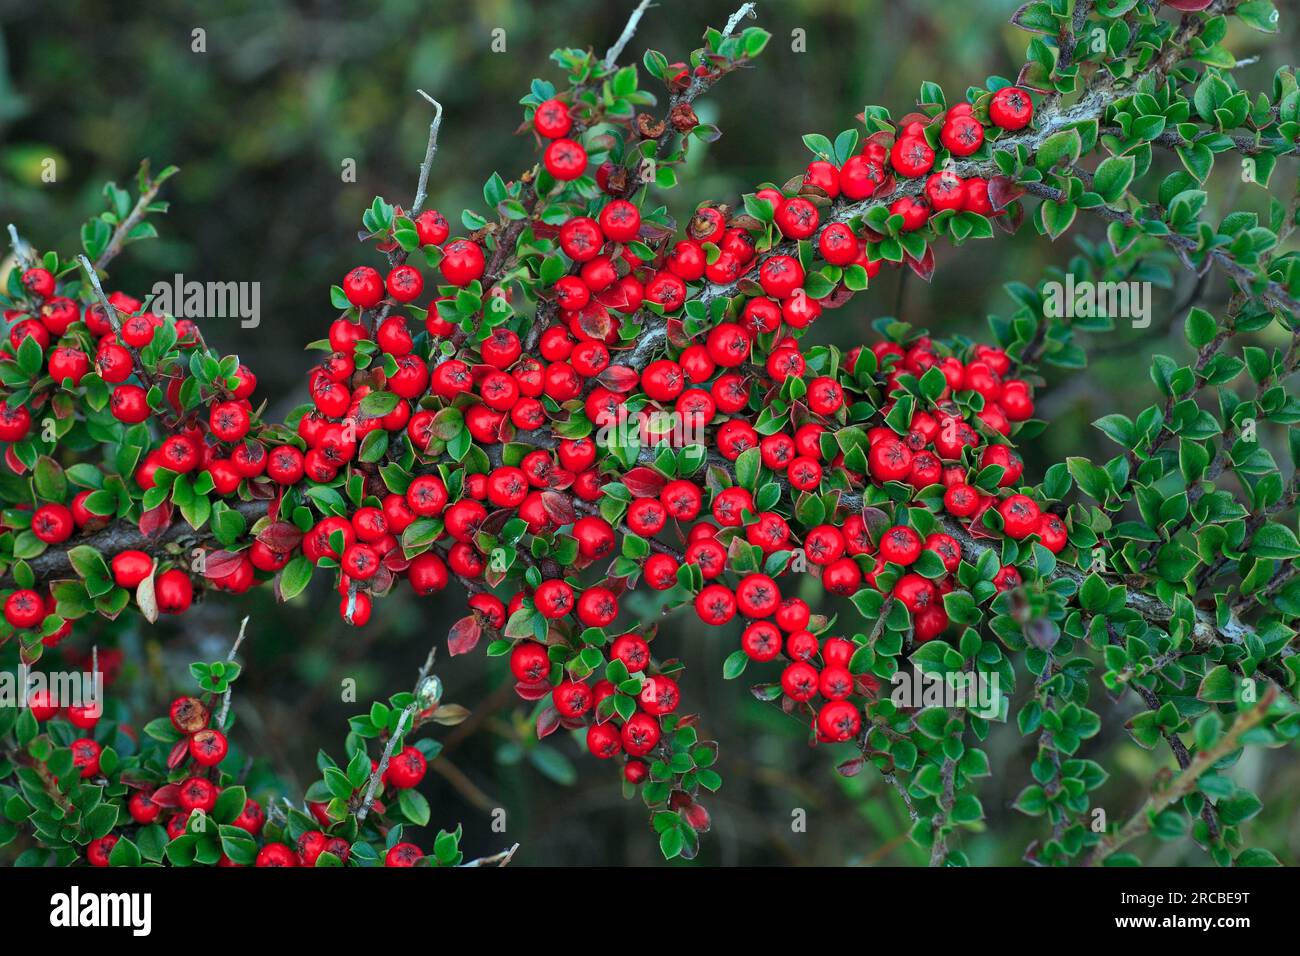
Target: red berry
406 768
529 662
173 591
961 134
551 119
1011 108
565 159
208 747
431 228
24 609
462 262
364 287
640 734
715 604
403 855
1020 516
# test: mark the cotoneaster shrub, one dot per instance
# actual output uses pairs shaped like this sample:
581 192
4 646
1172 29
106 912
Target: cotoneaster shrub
576 391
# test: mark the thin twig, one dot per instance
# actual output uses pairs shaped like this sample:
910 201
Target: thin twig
496 859
746 10
422 189
234 648
375 777
1185 782
110 311
124 228
22 251
407 714
615 51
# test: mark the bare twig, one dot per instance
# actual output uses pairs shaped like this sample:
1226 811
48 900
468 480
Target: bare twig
408 713
746 10
497 859
110 311
234 648
422 189
615 51
22 251
1185 782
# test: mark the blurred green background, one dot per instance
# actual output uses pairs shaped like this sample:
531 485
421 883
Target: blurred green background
262 124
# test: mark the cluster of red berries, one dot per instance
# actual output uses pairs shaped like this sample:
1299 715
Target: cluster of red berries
637 735
207 747
380 376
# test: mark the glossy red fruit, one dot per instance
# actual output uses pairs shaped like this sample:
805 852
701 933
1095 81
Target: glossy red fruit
962 134
431 228
173 591
85 756
1020 516
571 698
276 855
565 159
462 262
24 608
208 747
406 769
403 855
604 740
1011 108
640 734
529 662
363 287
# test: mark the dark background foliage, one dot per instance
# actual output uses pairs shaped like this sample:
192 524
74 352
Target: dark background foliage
261 125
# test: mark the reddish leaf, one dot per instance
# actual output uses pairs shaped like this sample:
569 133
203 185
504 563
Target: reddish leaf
595 321
697 818
166 795
644 482
156 520
179 753
559 507
559 479
280 536
838 296
12 460
677 333
463 636
925 266
1003 191
533 691
548 721
619 378
851 767
382 582
219 565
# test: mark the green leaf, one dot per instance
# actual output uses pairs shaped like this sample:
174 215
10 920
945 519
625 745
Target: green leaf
1274 541
295 577
1200 328
414 806
1219 686
124 853
1113 177
1062 147
1092 481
